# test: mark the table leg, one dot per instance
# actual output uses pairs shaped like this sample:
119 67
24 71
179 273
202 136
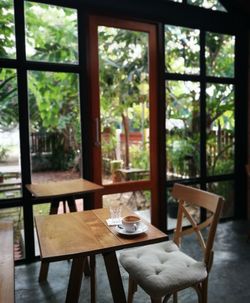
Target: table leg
54 207
75 279
93 278
114 276
43 271
71 204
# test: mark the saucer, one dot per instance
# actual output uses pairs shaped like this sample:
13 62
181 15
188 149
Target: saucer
141 229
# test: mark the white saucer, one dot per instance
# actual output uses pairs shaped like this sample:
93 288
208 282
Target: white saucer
141 229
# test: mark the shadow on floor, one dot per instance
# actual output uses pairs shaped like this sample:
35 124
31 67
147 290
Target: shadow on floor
228 283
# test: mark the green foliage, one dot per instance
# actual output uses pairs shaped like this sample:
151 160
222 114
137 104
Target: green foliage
3 153
183 114
53 97
51 36
8 99
182 50
7 30
123 57
220 55
109 144
51 33
140 156
123 70
210 4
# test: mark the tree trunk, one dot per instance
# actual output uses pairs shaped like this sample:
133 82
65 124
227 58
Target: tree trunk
126 134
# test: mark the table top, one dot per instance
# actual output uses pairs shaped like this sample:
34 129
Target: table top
82 233
62 188
132 170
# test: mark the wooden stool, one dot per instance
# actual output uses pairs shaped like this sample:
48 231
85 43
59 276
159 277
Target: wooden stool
54 206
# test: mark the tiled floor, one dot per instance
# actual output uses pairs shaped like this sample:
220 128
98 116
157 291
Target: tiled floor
229 279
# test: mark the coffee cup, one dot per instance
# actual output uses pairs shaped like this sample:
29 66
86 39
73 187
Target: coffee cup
131 223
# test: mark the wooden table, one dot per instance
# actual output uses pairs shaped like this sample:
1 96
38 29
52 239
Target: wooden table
7 275
134 174
62 190
80 234
130 174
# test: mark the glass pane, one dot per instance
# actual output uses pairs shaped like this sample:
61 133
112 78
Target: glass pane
211 4
182 129
7 30
182 50
10 167
220 55
226 190
138 201
54 125
15 214
220 129
51 33
124 93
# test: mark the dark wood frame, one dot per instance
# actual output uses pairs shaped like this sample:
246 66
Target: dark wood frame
154 103
165 12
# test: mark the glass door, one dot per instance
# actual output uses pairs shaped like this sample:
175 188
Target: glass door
124 103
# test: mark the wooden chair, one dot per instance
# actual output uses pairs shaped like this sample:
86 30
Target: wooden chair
163 269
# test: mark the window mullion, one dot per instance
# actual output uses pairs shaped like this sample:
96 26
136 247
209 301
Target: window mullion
24 126
202 108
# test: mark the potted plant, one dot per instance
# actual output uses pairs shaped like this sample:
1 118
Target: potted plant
172 207
115 165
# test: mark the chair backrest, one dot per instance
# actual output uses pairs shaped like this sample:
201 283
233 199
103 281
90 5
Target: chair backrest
187 197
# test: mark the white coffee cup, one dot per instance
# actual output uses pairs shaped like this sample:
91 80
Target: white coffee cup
131 223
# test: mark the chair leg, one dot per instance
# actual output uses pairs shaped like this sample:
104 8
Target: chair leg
132 288
87 267
54 205
204 287
175 297
71 204
153 300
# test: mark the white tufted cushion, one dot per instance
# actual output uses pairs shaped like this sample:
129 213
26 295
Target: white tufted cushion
161 268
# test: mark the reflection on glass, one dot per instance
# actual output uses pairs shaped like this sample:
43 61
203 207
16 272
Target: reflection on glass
136 201
51 33
10 167
124 90
210 4
220 129
7 30
220 55
182 50
226 190
54 125
182 129
15 214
